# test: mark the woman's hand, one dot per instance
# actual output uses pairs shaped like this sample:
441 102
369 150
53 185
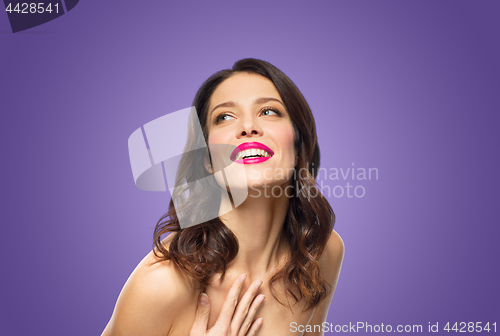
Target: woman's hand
229 322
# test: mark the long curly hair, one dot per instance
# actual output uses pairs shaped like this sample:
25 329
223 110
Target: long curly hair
205 249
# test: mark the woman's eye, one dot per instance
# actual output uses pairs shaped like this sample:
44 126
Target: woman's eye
222 117
270 111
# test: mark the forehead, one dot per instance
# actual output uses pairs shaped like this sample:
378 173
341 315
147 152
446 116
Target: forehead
243 88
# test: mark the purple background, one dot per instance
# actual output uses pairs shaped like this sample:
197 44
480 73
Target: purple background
409 87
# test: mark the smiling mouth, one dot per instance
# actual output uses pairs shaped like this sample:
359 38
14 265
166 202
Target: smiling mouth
252 154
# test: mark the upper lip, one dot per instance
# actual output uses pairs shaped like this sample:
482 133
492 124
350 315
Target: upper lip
250 145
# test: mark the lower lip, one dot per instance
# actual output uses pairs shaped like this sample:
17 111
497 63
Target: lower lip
252 160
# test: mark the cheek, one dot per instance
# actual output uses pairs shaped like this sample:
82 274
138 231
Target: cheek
219 136
213 138
220 149
286 138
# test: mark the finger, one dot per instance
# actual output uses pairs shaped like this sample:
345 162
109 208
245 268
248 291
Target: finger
251 313
230 303
244 305
202 314
255 327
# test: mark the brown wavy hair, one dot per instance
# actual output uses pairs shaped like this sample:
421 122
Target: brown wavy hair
203 250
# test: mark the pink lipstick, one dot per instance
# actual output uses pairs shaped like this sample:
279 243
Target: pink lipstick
251 152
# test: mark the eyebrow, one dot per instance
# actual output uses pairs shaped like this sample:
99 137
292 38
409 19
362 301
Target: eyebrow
256 102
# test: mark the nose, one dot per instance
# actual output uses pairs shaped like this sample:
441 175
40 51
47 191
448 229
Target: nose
249 127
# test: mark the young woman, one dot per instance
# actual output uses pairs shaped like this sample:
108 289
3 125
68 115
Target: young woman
272 261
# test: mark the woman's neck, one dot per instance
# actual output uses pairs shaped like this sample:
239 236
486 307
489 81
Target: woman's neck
258 225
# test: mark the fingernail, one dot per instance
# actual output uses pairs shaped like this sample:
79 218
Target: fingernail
261 297
243 278
204 299
258 283
259 321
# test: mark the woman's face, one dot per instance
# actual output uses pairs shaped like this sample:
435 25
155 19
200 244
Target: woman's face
246 113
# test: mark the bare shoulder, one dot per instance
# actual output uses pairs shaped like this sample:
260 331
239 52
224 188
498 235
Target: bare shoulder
151 299
335 244
331 260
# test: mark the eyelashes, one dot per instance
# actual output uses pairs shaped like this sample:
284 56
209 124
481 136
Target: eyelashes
220 117
278 113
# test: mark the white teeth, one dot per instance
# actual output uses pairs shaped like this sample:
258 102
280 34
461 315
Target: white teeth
252 152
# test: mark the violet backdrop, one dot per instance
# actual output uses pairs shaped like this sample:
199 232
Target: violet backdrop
409 87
